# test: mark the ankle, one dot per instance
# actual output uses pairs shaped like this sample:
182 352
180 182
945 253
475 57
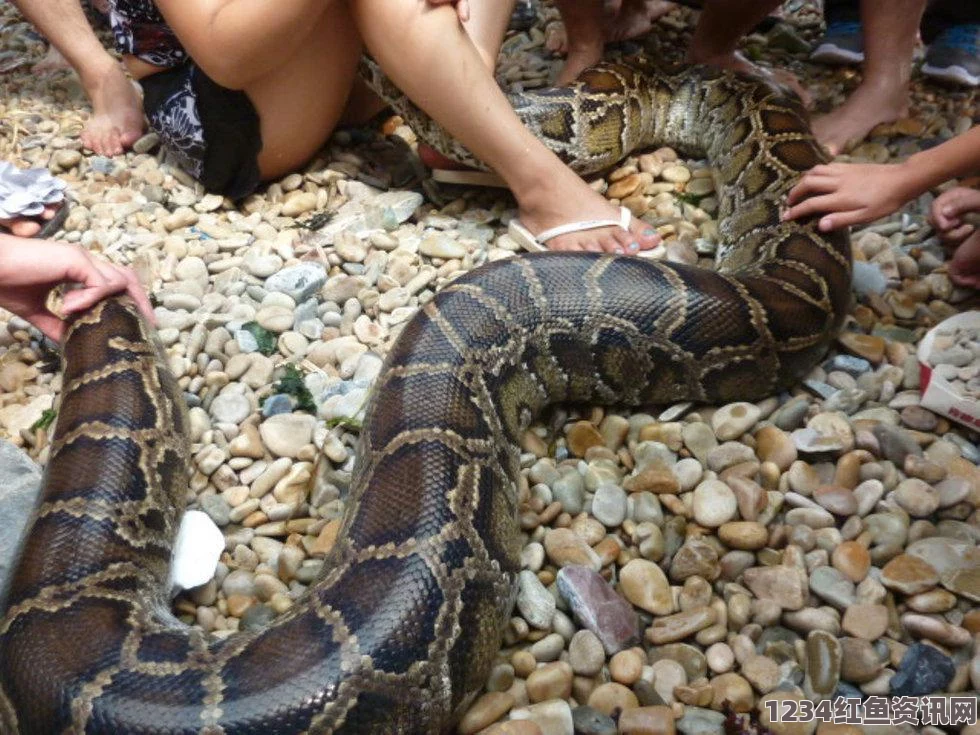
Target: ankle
890 92
97 73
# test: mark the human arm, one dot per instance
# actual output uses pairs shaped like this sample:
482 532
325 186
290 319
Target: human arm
851 194
29 269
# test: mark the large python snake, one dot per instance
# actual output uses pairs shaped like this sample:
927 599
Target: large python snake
399 633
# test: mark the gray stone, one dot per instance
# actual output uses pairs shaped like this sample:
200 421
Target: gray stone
278 403
217 508
589 721
609 505
20 487
534 602
832 586
923 670
790 416
298 281
849 364
230 407
700 721
569 490
896 444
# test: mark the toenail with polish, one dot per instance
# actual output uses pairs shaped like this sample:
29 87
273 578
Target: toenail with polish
649 232
634 246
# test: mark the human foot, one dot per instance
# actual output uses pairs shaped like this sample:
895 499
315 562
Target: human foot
583 46
737 62
117 112
578 58
867 107
636 18
569 200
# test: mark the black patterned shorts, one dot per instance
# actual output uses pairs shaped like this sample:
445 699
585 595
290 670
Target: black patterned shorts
212 132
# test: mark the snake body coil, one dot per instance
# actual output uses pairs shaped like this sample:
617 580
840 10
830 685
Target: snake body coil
401 629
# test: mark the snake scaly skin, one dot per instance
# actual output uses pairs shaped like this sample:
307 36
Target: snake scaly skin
399 633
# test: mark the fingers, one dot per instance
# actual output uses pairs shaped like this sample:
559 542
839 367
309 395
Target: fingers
812 205
79 267
811 183
838 220
51 326
958 233
111 280
138 295
957 201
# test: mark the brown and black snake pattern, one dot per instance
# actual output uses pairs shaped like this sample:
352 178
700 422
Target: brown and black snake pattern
400 631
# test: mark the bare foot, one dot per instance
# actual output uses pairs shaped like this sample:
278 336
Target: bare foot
579 57
737 62
583 43
117 112
636 18
52 61
850 123
29 226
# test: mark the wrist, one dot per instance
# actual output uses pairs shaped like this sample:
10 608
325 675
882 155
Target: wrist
917 174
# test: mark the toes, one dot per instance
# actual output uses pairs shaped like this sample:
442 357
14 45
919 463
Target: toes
642 234
626 242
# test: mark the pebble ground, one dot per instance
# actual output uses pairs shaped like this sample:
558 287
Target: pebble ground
682 564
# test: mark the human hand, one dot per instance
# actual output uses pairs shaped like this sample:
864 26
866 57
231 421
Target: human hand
29 269
849 193
948 210
462 7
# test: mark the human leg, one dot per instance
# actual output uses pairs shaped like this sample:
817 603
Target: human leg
635 18
117 119
584 36
890 31
300 101
716 36
465 99
587 29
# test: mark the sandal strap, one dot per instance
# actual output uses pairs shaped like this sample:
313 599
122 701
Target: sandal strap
593 224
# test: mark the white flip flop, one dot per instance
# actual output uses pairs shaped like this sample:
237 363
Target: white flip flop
467 177
523 237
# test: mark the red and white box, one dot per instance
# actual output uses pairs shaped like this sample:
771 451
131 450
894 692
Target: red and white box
938 394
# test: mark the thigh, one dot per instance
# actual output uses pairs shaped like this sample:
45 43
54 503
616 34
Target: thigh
300 102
